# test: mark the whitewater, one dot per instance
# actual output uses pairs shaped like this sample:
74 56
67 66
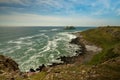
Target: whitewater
34 46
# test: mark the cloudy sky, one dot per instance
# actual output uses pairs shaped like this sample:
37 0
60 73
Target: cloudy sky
59 12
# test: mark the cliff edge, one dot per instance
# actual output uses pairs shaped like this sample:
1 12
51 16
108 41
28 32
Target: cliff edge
100 61
8 68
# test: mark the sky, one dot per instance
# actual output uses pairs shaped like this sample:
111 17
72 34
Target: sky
59 12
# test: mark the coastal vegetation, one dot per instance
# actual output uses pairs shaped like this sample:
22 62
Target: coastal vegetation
106 37
103 65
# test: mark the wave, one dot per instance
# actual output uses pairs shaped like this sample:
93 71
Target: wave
43 30
50 46
29 42
30 37
55 29
68 35
49 30
32 51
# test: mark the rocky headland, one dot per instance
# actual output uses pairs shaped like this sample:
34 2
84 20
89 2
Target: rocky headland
8 68
69 27
97 59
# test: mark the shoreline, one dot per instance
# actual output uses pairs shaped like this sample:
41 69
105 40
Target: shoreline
83 55
76 65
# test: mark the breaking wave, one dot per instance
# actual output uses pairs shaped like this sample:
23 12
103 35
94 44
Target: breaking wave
32 51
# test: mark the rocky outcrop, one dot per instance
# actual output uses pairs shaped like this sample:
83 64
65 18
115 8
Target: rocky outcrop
7 64
80 52
81 45
8 68
91 41
69 27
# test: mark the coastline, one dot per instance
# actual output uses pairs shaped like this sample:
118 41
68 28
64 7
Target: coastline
82 56
76 65
85 52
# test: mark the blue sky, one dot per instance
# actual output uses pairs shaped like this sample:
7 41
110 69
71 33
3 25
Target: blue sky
59 12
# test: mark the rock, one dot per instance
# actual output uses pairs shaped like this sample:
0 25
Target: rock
40 68
68 59
69 27
7 64
55 64
75 41
32 70
37 69
8 68
81 45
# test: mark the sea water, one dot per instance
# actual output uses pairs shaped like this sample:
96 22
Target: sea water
33 46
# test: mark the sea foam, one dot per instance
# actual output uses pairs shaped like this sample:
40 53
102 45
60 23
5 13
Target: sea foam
32 51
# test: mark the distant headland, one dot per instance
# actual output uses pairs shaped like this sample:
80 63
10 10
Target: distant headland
69 27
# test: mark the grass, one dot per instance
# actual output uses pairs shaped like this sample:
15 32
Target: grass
38 76
106 38
110 43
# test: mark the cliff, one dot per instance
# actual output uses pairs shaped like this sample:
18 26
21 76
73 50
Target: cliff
8 68
7 64
108 38
100 61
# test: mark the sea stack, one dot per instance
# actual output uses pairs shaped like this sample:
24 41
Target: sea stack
69 27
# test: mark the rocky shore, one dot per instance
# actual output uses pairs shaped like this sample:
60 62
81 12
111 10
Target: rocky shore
85 49
10 67
97 46
67 59
91 49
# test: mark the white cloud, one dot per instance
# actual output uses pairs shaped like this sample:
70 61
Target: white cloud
68 8
53 3
11 1
106 3
118 12
39 20
21 2
94 7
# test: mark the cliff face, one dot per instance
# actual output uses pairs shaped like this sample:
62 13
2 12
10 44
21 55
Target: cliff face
103 64
8 67
7 64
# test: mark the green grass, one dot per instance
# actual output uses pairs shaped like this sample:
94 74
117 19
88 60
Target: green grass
108 66
38 76
108 38
102 37
107 72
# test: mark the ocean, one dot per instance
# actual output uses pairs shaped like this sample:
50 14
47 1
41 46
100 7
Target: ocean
33 46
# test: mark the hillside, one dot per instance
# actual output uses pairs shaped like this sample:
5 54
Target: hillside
106 37
104 65
100 64
8 68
